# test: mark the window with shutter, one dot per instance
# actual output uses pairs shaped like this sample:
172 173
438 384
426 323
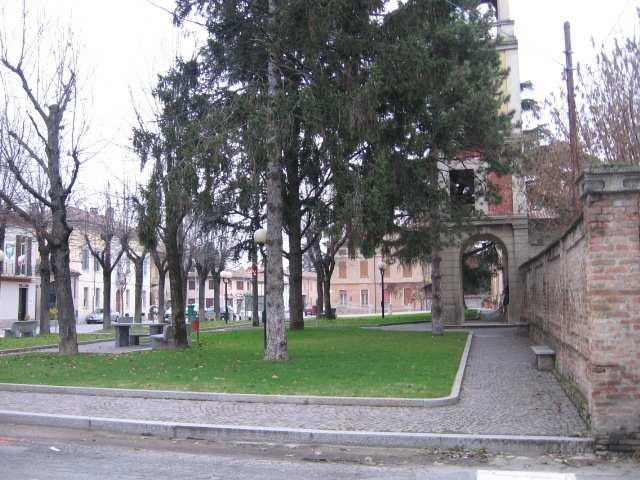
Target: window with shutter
364 269
406 271
342 269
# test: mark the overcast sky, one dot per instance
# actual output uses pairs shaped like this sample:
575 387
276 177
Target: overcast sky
125 43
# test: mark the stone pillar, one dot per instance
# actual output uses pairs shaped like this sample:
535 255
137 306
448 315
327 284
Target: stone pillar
611 200
518 253
453 309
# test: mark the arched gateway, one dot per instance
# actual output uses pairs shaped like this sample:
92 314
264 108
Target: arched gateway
506 221
512 233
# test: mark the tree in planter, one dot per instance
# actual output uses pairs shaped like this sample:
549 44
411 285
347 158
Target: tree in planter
45 124
105 226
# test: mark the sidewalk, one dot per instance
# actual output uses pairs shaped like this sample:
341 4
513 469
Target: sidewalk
502 394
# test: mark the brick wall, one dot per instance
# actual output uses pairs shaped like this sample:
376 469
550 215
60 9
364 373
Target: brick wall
504 186
582 297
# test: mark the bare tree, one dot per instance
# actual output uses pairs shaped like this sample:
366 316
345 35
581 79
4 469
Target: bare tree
133 248
609 105
44 124
322 255
105 226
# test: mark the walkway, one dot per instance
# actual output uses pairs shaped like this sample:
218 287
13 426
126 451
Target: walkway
502 394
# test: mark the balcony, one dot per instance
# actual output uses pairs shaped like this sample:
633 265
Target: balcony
11 271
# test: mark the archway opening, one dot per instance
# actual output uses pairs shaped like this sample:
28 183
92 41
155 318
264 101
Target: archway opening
484 278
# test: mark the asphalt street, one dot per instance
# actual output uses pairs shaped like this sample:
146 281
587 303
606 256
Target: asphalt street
31 453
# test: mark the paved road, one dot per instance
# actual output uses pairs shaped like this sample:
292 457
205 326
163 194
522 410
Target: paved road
56 454
502 394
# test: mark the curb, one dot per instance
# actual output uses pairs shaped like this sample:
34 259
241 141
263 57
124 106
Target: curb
451 399
496 443
36 348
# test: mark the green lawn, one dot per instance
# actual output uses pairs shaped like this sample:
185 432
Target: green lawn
50 339
324 361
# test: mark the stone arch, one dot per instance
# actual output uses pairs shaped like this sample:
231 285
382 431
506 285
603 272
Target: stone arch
512 233
484 236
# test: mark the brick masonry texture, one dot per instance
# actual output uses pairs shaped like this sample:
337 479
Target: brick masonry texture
582 297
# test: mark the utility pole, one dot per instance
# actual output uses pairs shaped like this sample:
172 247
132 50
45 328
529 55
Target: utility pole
571 100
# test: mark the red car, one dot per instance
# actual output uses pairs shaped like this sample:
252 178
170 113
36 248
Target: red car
311 310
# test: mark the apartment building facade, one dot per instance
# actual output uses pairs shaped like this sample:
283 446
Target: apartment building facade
240 293
19 281
87 275
356 286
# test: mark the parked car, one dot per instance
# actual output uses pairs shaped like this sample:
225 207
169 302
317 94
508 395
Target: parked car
310 310
98 316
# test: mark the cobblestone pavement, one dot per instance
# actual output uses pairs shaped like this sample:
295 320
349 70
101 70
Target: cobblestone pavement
502 394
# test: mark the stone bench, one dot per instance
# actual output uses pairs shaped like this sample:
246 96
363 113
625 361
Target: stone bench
134 338
23 328
164 340
545 357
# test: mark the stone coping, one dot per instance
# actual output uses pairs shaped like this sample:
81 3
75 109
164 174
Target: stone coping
495 443
452 398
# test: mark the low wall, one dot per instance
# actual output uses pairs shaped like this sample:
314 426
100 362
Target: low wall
581 295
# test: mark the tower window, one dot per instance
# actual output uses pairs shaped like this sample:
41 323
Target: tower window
462 186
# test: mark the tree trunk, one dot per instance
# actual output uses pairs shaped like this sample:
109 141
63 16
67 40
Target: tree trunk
276 333
327 297
255 313
202 283
162 275
176 283
68 341
45 285
293 217
107 268
138 266
437 323
106 298
296 308
216 294
319 291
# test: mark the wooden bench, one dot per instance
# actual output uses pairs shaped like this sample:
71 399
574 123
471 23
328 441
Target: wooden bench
22 328
545 357
165 339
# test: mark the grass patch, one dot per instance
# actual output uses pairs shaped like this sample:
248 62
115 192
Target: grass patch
471 314
346 362
347 321
46 339
209 324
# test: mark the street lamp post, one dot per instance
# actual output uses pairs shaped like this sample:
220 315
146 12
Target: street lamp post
226 278
381 267
260 237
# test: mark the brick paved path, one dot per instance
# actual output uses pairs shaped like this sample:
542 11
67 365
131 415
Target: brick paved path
502 394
